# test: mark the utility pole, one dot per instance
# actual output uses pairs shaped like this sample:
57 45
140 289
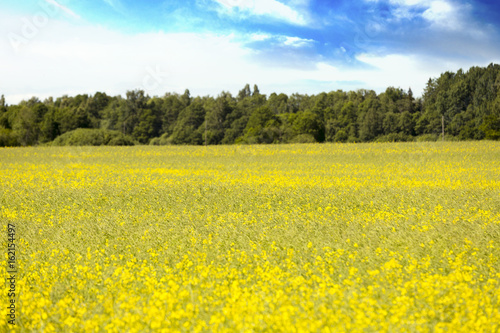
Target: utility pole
442 125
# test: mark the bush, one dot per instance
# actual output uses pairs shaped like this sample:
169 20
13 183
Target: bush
450 138
395 137
428 137
154 142
161 141
304 138
93 137
8 138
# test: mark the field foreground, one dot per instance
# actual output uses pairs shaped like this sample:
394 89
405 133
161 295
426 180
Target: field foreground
291 238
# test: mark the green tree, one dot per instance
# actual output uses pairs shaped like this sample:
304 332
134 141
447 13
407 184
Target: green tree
307 122
278 103
262 127
187 129
256 91
4 120
406 123
170 107
216 117
186 98
244 93
3 105
148 123
25 126
49 127
370 120
390 123
259 118
130 110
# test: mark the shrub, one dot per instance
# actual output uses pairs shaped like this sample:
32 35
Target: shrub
304 138
395 137
163 140
427 137
93 137
8 138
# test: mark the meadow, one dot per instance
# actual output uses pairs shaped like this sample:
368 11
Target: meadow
387 237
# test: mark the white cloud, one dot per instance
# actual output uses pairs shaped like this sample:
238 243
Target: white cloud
410 2
297 41
391 70
405 2
271 8
450 16
72 59
454 17
259 37
67 59
399 71
442 14
288 41
409 70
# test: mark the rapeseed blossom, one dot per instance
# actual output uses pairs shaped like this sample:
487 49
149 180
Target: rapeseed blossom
291 238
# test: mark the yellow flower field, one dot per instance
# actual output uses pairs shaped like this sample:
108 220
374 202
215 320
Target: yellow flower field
396 237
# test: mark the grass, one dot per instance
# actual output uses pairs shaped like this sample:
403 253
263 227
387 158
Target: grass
399 237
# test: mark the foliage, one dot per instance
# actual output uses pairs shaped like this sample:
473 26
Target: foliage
395 137
304 138
468 102
93 137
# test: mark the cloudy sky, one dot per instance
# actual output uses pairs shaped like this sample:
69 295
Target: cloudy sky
57 47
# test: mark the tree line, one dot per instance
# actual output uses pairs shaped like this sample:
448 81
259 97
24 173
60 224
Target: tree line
468 102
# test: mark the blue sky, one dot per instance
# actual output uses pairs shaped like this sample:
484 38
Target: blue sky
56 47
